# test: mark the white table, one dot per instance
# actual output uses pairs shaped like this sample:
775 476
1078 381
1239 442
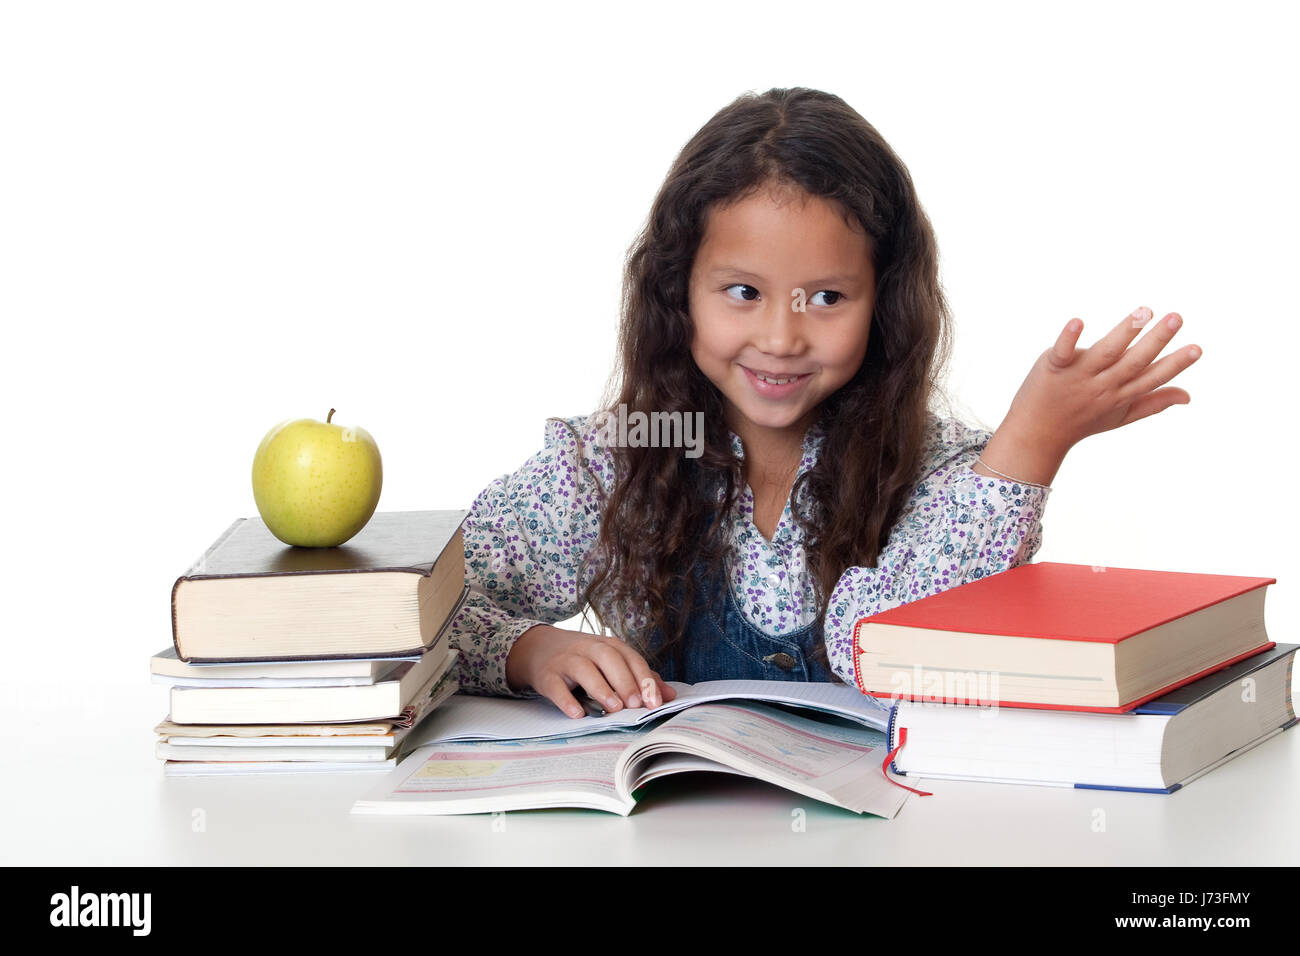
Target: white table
108 803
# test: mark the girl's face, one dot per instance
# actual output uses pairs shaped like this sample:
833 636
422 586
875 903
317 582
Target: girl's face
751 319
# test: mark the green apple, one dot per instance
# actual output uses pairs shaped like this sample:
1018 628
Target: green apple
316 484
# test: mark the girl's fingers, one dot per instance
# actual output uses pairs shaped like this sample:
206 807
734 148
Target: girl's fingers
608 653
1161 372
611 672
642 672
1135 362
1157 401
588 675
1112 347
1062 351
668 691
651 689
553 687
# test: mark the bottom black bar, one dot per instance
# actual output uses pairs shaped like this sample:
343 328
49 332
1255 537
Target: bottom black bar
957 906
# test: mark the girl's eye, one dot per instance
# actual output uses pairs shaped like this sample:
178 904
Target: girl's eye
741 285
748 298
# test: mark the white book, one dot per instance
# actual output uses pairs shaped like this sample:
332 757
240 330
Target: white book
253 680
323 744
166 664
169 751
261 705
169 728
1159 746
198 768
286 753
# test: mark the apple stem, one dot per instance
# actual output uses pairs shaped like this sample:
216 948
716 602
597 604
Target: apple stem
329 416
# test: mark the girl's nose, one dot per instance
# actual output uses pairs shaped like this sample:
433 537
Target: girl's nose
780 329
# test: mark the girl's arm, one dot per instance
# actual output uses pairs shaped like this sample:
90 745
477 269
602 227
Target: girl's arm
1072 393
966 521
959 526
525 537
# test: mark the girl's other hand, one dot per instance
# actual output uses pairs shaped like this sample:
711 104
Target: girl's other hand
553 662
1072 393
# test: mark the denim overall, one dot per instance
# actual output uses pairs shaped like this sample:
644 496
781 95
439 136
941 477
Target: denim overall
720 643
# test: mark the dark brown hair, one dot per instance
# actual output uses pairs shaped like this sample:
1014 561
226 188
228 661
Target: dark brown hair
875 424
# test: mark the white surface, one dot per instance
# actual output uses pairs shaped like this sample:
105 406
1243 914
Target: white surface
112 806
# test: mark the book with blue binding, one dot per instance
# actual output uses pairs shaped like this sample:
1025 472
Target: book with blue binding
1158 747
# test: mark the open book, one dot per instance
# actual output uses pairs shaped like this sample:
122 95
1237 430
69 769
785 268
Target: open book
475 717
834 760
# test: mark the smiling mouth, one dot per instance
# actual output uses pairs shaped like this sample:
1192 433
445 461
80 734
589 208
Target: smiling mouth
773 379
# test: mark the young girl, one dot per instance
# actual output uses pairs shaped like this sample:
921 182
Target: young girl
785 289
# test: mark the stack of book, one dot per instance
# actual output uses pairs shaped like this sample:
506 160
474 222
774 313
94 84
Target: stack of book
1079 676
311 659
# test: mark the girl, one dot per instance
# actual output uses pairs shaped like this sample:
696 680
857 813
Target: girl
786 287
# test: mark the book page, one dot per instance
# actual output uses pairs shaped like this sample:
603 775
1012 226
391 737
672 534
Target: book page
378 728
487 776
474 717
263 681
834 760
837 763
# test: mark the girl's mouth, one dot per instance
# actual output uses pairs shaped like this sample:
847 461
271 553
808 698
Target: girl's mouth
775 386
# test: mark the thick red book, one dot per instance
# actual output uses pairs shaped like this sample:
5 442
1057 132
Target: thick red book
1062 636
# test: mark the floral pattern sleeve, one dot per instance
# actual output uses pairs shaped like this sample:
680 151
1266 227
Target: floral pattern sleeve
959 526
525 537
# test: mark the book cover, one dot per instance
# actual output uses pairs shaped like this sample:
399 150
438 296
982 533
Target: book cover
391 541
1066 602
418 543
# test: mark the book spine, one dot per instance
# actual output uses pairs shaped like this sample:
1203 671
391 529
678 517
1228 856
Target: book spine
856 651
1290 705
889 736
1102 786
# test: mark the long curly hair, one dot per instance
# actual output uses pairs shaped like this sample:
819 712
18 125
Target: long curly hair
666 511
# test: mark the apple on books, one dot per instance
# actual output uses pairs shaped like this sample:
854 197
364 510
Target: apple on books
316 484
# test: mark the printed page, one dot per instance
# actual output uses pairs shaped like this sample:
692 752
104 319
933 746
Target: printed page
488 776
836 763
473 717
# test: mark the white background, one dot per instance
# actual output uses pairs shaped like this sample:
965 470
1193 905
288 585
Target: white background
216 216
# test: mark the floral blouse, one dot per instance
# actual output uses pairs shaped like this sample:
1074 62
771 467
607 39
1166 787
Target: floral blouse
527 532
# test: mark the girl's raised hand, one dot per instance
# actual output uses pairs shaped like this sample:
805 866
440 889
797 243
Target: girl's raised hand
1072 393
553 662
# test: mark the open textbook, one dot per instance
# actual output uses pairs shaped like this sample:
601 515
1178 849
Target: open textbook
833 760
473 717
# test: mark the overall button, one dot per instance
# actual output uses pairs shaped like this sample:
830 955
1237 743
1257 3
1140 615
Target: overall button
782 660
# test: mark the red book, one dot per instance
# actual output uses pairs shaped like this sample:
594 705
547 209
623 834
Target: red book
1062 636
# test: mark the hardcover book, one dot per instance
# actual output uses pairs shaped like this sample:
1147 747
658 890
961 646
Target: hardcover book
1158 747
387 592
1062 636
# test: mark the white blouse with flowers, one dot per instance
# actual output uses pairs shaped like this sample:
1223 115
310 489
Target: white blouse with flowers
527 532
